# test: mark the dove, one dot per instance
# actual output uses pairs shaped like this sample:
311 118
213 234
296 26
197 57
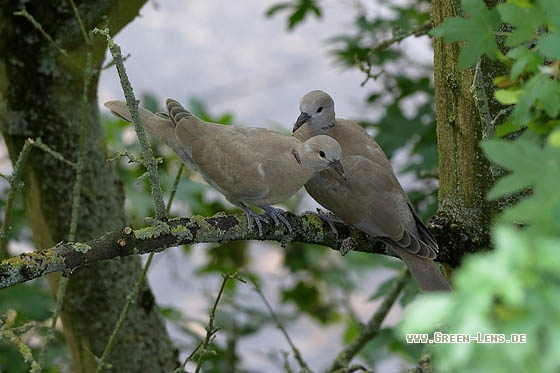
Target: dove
371 198
248 165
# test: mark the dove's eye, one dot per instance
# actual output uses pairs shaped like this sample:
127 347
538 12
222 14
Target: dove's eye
320 109
322 154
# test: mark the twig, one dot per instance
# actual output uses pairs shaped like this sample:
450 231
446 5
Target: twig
174 187
23 12
76 193
366 69
231 357
501 113
191 356
80 22
210 329
60 292
10 334
354 368
347 304
130 299
132 104
397 38
112 63
286 366
370 330
295 350
15 185
56 155
481 102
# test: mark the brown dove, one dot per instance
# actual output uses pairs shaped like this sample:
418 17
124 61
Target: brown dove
249 166
371 198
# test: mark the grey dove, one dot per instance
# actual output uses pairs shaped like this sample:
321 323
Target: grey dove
371 198
249 166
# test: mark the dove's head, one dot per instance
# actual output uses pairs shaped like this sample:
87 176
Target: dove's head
317 110
321 152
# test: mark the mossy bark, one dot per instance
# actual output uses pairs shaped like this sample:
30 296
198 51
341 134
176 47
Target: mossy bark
464 173
40 96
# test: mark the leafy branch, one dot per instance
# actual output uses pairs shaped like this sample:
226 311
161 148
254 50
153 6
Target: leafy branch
303 365
371 328
16 184
132 103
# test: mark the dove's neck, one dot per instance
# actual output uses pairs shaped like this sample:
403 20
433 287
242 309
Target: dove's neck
310 167
322 127
313 129
329 126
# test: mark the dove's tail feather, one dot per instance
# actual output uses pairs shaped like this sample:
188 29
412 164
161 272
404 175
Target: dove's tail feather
417 250
189 128
425 235
425 272
158 126
177 112
161 127
119 109
419 256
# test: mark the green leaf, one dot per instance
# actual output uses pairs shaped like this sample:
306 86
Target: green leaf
505 129
299 9
526 20
277 8
510 290
309 300
526 61
543 93
552 11
351 332
382 289
549 45
31 301
554 138
512 155
508 185
477 31
532 166
521 3
518 156
508 96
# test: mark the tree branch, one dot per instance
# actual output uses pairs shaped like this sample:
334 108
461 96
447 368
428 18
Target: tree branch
371 329
221 228
67 257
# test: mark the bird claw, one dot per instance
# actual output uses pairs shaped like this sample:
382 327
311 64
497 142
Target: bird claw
254 217
327 217
277 216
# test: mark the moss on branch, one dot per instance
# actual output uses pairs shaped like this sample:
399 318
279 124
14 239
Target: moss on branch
221 228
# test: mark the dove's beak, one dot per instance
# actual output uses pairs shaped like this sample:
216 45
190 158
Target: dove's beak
337 166
303 117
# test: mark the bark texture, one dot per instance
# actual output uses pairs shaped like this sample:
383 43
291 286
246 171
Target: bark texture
465 176
40 97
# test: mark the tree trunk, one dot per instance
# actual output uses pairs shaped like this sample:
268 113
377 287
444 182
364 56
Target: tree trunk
40 93
464 173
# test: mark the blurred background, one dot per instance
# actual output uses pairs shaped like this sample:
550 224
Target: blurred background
235 58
